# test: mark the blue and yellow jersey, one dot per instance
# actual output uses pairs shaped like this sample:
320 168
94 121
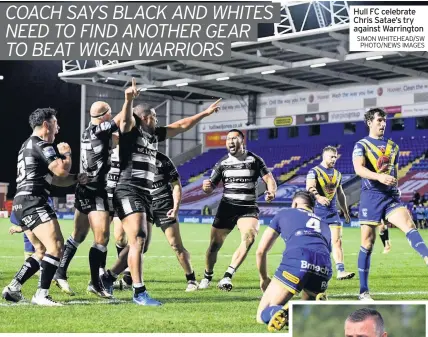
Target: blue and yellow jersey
381 156
300 228
328 180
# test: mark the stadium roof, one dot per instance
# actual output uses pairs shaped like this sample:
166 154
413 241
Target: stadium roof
290 59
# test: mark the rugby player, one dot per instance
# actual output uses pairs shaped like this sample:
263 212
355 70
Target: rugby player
375 160
305 265
41 163
138 142
239 170
91 202
325 183
166 198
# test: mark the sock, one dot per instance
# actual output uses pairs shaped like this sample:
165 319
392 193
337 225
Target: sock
28 269
138 288
191 277
48 267
229 272
119 249
363 268
208 275
386 235
417 243
127 278
112 275
104 260
28 247
96 254
340 267
70 249
267 313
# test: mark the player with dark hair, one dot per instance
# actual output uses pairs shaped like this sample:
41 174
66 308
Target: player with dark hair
239 170
365 322
325 183
40 164
138 141
166 198
376 162
91 203
305 265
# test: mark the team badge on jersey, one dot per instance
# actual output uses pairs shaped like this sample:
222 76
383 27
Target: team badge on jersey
49 151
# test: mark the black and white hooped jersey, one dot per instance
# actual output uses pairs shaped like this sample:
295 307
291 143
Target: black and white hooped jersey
96 144
34 158
114 173
166 174
137 152
239 175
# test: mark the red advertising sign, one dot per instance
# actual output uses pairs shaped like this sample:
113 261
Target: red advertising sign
413 181
217 139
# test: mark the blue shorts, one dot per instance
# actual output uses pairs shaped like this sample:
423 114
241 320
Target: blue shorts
331 216
375 207
304 269
13 219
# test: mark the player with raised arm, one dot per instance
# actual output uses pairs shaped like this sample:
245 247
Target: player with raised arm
166 198
40 164
305 265
376 162
91 203
325 183
138 142
239 170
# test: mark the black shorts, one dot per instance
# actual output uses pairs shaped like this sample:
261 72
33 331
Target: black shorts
110 204
228 215
31 211
128 200
88 200
159 209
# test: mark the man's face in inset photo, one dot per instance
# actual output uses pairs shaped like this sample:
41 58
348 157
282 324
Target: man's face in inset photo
366 328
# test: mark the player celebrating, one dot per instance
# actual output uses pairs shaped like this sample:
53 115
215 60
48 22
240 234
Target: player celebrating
239 171
166 198
325 182
305 264
138 141
40 165
376 162
92 209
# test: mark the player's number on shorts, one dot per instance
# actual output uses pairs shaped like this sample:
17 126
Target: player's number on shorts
21 171
314 224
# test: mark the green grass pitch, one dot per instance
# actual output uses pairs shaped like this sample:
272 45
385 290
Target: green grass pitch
400 275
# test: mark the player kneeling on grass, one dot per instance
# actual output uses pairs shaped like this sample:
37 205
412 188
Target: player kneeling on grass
305 264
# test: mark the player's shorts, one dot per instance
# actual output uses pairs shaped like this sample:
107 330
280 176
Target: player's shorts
110 203
304 269
31 211
375 207
128 200
88 200
329 216
228 215
159 210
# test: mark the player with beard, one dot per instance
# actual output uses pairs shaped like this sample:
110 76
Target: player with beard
239 170
325 183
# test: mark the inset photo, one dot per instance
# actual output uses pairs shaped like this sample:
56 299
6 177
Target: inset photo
390 319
